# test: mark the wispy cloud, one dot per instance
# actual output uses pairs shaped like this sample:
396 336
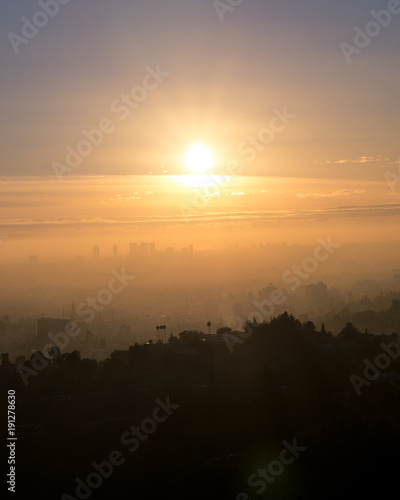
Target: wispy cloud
360 160
334 194
379 210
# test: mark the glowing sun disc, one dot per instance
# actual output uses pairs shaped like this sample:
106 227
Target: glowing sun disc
199 158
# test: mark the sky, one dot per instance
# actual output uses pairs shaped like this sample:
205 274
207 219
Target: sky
265 85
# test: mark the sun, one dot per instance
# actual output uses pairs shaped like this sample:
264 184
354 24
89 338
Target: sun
199 158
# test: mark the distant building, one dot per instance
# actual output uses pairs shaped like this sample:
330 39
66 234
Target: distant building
143 250
44 326
152 249
169 252
115 251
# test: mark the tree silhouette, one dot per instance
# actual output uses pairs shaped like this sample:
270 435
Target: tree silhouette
172 339
5 359
209 326
224 329
349 331
162 328
395 305
191 336
309 326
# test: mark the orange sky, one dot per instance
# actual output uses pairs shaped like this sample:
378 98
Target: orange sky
307 137
67 218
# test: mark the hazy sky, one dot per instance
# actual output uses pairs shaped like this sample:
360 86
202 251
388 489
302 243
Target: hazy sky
222 81
225 78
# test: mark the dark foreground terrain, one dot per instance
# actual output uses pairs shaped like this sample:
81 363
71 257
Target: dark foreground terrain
277 418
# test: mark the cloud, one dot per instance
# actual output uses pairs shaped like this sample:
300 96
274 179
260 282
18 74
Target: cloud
360 160
154 221
334 194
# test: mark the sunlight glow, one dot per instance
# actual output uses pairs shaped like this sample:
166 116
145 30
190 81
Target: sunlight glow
194 181
199 158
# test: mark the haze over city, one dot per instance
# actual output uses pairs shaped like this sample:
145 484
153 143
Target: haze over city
200 203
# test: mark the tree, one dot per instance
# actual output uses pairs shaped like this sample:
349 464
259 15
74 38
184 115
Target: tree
309 326
209 326
286 323
172 339
349 331
395 305
5 359
163 327
224 329
72 358
158 332
20 360
191 336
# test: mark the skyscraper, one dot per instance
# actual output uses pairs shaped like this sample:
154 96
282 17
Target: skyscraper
143 250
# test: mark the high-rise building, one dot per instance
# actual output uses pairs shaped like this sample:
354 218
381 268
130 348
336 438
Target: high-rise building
152 249
46 326
115 251
143 250
169 252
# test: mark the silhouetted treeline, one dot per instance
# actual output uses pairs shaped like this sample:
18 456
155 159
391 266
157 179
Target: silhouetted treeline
287 380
